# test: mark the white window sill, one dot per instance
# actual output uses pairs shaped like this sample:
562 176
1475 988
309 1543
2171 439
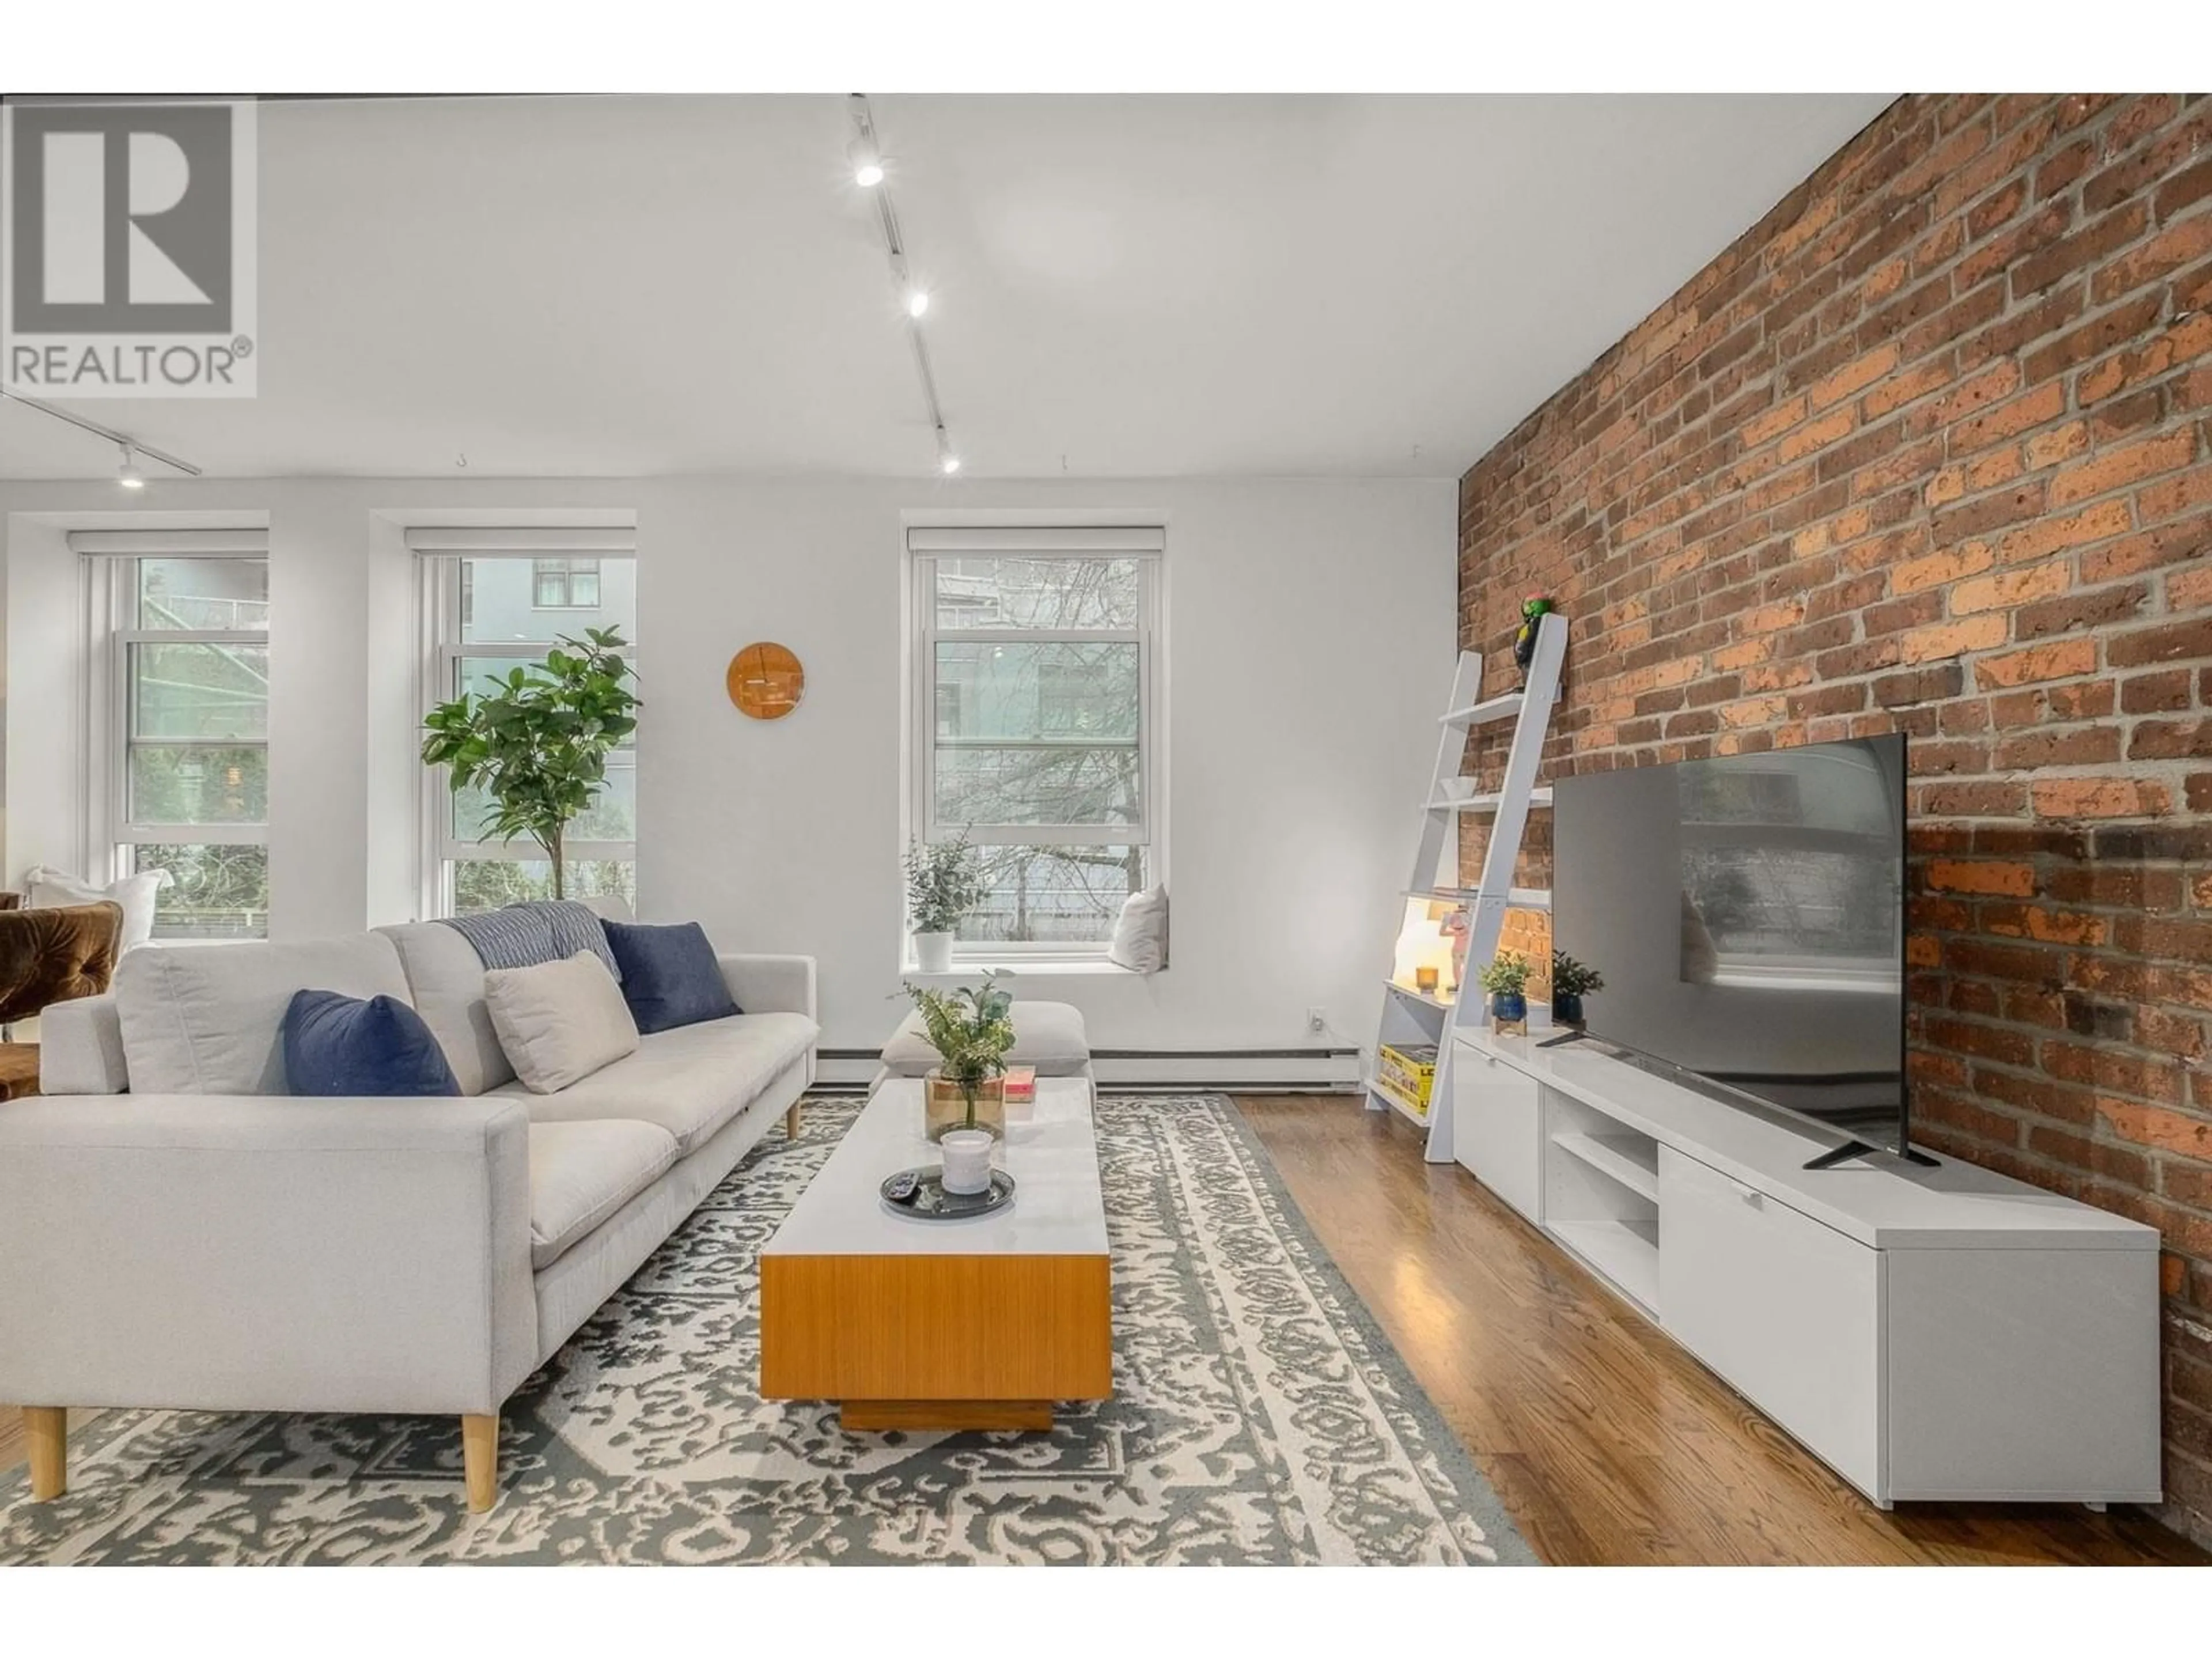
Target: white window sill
1033 967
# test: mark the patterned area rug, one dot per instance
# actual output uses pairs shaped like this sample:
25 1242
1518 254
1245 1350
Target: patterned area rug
1258 1416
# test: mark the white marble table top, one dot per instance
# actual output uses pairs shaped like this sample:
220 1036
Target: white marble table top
1059 1208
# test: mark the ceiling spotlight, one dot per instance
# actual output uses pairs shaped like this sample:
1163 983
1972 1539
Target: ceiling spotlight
947 462
867 165
917 301
128 474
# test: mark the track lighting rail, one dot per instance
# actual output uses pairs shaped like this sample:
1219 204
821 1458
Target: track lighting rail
123 440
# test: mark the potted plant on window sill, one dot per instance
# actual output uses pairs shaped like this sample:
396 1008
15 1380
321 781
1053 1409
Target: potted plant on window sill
944 883
1506 978
965 1098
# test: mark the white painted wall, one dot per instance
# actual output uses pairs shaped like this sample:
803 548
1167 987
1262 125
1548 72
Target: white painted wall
1309 639
45 704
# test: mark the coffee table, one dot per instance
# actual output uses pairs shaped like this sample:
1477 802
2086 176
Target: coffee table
978 1323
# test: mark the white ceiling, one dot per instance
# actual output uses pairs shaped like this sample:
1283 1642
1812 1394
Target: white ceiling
1127 286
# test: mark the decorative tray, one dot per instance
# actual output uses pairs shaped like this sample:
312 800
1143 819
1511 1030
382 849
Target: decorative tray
920 1193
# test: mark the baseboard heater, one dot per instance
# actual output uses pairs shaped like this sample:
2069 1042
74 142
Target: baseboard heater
1254 1070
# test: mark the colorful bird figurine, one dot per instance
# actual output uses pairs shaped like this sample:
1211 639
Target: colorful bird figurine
1533 610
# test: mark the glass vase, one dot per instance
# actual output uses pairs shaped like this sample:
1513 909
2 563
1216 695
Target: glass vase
944 1106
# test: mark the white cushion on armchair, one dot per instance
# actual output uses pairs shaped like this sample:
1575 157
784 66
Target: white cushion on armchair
46 888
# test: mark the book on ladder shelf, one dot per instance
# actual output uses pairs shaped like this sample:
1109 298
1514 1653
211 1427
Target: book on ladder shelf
1448 932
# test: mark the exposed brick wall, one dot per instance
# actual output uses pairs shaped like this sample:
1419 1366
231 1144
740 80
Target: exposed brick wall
1930 449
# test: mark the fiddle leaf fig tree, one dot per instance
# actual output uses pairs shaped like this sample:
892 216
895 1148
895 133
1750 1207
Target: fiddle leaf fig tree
537 742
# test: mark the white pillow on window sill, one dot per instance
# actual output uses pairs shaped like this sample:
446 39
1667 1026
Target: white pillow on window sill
1140 936
47 889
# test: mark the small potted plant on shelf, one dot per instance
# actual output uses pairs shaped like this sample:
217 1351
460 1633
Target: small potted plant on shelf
1572 981
972 1029
944 883
1506 979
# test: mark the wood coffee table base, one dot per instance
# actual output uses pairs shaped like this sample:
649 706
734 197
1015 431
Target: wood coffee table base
874 1416
938 1342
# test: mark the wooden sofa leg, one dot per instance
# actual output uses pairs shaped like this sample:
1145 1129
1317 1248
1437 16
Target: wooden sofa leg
791 1122
480 1458
47 1428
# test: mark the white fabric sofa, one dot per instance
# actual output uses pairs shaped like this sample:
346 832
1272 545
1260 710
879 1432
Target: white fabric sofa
176 1231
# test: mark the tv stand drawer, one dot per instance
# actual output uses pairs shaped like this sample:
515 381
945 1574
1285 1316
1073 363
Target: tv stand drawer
1787 1309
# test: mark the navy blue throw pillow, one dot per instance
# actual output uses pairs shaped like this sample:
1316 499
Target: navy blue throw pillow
669 976
339 1045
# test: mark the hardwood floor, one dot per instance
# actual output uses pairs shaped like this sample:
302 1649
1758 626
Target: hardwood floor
1607 1444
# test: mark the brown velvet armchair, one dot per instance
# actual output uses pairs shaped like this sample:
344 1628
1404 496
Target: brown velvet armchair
48 956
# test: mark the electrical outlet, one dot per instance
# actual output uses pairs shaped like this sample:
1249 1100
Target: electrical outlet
1316 1020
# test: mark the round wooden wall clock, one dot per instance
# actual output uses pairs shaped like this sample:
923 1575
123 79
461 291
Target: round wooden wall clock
766 681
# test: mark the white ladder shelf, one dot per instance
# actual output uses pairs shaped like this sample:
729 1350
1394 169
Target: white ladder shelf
1412 1015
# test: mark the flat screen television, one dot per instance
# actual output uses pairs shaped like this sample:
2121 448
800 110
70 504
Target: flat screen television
1747 914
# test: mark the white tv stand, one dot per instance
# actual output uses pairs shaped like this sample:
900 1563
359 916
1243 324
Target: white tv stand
1943 1333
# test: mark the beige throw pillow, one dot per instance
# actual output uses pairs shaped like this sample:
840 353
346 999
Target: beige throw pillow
559 1022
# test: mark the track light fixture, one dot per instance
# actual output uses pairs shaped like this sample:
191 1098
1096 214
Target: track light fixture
867 158
128 474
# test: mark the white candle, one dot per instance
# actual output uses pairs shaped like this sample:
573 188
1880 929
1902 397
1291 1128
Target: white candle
967 1160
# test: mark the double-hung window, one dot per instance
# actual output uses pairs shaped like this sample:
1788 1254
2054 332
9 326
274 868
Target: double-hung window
1036 724
179 705
486 596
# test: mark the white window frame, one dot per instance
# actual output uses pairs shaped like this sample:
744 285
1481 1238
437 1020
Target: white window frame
112 560
925 546
443 650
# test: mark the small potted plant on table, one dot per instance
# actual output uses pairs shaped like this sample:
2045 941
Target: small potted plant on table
1506 978
1572 981
944 883
964 1099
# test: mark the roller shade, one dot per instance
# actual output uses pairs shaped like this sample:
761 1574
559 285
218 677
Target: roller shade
1013 539
170 543
532 542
